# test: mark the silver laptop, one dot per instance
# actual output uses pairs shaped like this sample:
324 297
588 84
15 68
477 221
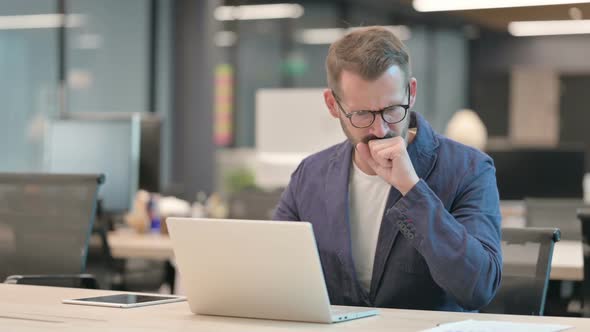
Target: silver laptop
255 269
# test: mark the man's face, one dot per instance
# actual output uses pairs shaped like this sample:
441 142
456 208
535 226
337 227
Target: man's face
357 94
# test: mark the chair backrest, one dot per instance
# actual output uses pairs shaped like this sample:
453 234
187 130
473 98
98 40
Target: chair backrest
527 254
584 216
45 222
555 212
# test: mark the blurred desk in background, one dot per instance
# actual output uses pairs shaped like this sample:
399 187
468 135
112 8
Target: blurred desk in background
567 264
513 213
568 257
568 261
126 243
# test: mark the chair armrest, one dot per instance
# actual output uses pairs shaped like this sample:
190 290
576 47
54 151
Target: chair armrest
56 280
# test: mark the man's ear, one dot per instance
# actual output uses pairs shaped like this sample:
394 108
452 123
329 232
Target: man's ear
331 103
413 91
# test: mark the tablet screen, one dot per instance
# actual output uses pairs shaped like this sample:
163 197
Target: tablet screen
126 298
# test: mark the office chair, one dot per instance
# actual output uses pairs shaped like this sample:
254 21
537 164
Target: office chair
527 254
125 274
45 223
563 296
584 216
140 275
84 280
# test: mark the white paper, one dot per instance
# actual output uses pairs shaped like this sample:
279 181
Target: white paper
494 326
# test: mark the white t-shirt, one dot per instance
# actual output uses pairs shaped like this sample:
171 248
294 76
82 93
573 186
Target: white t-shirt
368 197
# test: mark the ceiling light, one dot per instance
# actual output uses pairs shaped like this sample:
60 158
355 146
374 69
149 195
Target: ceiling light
547 28
40 21
330 35
449 5
258 12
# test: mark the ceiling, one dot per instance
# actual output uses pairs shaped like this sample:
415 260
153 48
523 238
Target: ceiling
499 18
496 19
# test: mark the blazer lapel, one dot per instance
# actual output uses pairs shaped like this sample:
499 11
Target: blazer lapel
387 235
423 156
336 195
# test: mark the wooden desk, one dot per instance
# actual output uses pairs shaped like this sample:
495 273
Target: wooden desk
127 243
36 308
568 259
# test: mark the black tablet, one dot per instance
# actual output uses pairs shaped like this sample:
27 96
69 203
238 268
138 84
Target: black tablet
126 300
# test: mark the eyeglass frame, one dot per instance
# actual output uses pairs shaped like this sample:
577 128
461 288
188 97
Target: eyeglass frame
406 107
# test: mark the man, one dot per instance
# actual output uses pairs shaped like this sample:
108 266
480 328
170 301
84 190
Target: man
403 217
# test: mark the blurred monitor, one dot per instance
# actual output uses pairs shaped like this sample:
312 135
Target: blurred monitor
254 204
280 142
280 115
108 146
149 158
543 173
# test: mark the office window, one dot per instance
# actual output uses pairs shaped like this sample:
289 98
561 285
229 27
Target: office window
28 83
107 56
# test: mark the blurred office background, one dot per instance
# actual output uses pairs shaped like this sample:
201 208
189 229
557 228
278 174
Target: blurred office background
182 96
208 73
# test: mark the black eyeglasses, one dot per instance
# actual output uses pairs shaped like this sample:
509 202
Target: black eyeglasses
363 119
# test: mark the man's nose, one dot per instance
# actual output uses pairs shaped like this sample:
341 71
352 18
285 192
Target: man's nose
379 127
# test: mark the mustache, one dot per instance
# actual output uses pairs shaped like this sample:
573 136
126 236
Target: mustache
368 138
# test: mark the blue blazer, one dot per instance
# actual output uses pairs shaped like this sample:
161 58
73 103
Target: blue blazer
438 246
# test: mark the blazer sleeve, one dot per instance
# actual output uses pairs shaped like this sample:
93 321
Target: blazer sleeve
462 247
